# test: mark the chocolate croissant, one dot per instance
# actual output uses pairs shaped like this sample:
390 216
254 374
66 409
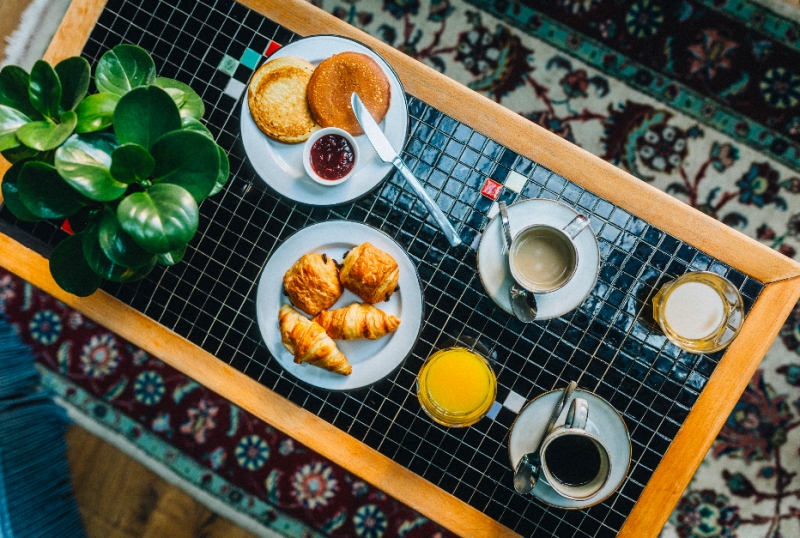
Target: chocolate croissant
308 342
370 273
356 322
312 283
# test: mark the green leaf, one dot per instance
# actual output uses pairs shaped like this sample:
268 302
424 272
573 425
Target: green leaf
45 193
81 220
144 115
45 135
172 258
75 75
96 112
14 82
188 159
84 161
191 124
131 162
123 68
118 246
223 173
11 197
101 264
11 120
70 269
45 89
161 219
20 153
136 273
192 105
178 96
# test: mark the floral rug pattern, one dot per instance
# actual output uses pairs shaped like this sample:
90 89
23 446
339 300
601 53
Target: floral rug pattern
207 441
701 98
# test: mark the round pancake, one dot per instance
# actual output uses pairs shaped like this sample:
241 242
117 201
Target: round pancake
277 99
333 82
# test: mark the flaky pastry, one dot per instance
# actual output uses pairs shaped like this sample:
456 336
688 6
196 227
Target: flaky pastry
312 283
370 273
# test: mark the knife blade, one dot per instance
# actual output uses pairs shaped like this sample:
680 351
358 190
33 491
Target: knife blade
388 154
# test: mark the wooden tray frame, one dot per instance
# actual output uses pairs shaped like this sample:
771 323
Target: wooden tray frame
780 275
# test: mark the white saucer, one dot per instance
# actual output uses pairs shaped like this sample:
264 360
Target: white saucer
281 165
372 360
493 262
604 421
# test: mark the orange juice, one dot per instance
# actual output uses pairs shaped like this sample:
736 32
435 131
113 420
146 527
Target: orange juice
456 387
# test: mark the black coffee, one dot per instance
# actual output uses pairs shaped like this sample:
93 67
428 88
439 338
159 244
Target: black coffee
573 460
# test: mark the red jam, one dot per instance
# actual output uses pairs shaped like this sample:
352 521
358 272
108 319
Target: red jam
332 157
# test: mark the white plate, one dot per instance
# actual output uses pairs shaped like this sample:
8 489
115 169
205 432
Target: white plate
604 421
372 360
493 262
281 165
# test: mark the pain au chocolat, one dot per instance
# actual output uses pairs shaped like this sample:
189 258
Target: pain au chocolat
333 82
277 99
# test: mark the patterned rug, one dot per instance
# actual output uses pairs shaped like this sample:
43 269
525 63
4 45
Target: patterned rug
701 98
246 469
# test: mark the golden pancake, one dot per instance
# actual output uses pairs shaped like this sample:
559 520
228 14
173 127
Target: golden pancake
277 99
336 78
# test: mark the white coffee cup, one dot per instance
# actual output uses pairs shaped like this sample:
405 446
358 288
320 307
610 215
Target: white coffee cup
575 462
544 258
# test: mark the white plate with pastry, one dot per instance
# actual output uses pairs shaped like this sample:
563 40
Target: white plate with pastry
371 359
280 164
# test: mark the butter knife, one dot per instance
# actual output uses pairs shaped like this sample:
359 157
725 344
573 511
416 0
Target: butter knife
388 154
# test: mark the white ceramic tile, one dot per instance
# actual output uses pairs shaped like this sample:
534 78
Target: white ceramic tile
514 401
515 181
234 88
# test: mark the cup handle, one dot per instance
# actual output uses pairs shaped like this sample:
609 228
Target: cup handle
576 226
578 414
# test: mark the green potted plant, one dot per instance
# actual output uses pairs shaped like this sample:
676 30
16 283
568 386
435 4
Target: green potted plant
127 166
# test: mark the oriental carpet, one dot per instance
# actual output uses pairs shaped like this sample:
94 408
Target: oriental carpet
700 98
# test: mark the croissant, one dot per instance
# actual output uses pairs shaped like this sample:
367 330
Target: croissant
308 342
312 283
370 273
357 321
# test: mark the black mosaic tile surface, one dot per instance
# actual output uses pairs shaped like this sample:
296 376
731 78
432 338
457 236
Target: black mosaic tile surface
608 342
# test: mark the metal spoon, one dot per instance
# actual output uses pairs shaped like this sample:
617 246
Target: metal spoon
523 304
526 475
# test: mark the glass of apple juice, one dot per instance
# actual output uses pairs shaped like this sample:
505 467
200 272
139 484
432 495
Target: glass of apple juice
700 312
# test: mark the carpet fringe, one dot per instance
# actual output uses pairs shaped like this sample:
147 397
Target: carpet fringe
29 41
36 497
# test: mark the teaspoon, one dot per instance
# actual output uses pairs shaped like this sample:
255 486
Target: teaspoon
523 304
527 472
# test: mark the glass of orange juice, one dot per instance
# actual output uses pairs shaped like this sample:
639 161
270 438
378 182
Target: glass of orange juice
456 386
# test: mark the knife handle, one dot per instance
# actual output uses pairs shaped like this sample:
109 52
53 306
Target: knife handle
433 209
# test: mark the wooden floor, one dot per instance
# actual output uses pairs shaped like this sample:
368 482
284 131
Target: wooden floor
10 13
120 498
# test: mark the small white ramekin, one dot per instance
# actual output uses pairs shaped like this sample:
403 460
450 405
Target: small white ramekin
307 155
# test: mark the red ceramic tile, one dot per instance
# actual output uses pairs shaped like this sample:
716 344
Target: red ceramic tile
66 227
272 47
491 189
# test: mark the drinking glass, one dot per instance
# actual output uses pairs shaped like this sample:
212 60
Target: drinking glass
456 385
700 312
